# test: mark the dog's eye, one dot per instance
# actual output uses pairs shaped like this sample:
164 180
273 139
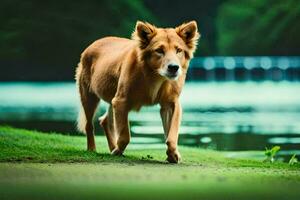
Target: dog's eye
160 51
178 50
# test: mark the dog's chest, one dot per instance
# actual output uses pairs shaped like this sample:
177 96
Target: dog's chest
150 97
153 93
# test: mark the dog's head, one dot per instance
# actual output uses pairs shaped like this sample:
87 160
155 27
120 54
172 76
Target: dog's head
167 51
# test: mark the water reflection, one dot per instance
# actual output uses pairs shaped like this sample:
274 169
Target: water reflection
225 116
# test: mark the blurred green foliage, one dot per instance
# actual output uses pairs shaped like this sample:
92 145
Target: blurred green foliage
54 33
42 40
255 27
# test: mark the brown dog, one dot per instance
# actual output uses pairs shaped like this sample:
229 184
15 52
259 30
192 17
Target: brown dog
148 69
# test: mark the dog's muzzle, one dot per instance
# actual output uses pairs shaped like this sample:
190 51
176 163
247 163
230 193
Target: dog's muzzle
173 71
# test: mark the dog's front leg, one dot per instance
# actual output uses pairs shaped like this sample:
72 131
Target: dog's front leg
171 118
121 124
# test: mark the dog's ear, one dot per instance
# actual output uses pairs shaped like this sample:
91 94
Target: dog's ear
144 32
189 33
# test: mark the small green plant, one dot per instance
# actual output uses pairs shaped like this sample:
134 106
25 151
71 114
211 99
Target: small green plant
271 153
149 157
293 160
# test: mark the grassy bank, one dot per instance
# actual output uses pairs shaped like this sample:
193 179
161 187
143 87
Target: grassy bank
37 165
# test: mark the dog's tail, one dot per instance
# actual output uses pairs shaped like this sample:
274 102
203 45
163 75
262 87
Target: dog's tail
81 118
81 121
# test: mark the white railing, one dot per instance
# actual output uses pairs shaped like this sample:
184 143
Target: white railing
258 68
265 62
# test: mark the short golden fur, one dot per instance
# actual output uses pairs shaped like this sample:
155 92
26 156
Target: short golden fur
148 69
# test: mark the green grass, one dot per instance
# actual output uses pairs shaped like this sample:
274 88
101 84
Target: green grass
45 166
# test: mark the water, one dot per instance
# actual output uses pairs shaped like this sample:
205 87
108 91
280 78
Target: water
217 115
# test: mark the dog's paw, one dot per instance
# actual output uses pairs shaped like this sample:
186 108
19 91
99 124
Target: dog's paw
117 152
173 156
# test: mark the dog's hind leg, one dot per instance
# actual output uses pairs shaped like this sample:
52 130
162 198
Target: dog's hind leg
107 123
89 102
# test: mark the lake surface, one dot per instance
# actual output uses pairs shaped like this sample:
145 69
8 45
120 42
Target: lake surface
217 115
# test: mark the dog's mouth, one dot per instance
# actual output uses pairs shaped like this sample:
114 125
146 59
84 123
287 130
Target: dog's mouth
172 76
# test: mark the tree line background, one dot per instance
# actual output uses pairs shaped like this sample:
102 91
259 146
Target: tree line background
42 40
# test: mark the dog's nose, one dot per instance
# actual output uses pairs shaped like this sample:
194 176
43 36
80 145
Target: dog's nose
173 68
